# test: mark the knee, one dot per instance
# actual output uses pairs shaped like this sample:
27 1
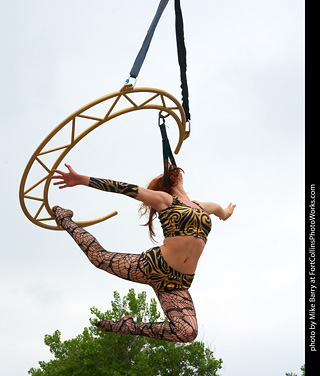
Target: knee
190 334
99 258
185 333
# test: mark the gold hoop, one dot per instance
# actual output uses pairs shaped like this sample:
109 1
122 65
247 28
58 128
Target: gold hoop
168 104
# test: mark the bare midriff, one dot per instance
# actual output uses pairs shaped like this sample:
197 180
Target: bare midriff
182 253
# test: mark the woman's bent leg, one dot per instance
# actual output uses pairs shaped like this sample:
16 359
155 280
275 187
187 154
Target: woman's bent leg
124 265
178 307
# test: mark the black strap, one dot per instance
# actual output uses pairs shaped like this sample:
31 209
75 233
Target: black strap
182 57
166 149
182 54
146 43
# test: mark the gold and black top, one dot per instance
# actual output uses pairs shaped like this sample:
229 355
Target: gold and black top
179 219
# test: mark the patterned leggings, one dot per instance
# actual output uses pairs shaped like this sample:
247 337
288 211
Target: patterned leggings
177 304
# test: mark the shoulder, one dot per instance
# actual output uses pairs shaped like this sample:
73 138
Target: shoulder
200 203
158 200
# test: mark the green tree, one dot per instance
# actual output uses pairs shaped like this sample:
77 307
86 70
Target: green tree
303 369
95 353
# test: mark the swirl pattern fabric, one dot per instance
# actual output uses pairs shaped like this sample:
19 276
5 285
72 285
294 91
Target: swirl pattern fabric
107 185
180 219
160 276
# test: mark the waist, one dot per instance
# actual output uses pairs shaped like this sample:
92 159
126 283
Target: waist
182 253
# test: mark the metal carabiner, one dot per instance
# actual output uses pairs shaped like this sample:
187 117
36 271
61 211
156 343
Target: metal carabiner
134 82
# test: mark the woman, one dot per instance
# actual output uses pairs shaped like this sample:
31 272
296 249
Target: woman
169 269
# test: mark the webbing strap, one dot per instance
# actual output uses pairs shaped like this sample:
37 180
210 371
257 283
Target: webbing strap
182 57
166 149
146 43
182 54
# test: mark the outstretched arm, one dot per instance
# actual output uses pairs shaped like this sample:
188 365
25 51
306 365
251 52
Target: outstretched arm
217 210
158 200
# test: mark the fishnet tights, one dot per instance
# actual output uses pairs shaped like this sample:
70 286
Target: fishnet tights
177 305
124 265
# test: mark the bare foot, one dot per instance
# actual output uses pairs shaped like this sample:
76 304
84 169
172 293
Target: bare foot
61 214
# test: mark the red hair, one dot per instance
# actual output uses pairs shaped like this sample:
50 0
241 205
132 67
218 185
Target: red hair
159 184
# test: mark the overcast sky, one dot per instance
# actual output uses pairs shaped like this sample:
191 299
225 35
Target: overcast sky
246 83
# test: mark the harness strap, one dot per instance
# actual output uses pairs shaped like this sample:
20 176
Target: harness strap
166 149
181 48
146 43
182 58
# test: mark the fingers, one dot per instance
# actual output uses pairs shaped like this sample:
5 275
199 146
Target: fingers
59 172
57 177
231 207
62 174
70 168
64 179
59 182
228 211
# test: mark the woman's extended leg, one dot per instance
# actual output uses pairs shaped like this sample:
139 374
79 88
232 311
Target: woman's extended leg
178 307
124 265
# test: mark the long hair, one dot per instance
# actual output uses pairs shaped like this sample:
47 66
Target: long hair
160 184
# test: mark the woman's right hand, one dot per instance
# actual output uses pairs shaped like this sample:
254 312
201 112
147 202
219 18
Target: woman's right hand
228 211
69 179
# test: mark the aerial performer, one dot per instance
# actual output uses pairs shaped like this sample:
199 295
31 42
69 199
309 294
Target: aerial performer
170 268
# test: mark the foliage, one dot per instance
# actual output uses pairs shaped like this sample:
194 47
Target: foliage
303 369
95 353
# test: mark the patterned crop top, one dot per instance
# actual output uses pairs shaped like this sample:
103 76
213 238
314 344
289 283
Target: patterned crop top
180 219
